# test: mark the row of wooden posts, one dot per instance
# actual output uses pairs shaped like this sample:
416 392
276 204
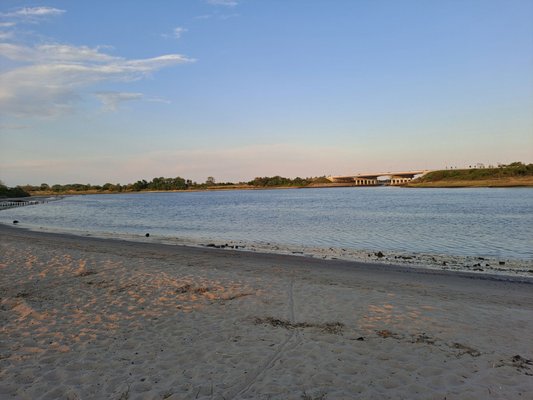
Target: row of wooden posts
19 203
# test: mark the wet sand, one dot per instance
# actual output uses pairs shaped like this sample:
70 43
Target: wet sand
89 318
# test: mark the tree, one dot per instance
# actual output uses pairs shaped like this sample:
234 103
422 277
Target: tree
178 183
12 192
140 185
210 181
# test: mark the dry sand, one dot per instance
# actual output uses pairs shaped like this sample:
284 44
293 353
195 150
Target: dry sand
87 318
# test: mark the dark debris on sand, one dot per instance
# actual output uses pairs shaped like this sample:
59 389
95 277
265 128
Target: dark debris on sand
465 350
86 273
334 328
191 289
521 364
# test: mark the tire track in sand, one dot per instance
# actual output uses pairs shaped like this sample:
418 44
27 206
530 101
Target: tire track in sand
282 348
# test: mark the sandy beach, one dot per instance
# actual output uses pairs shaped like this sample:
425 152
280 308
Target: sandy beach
90 318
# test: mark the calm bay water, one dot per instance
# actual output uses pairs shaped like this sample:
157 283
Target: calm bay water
469 222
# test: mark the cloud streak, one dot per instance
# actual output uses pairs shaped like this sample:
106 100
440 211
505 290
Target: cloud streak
50 78
111 101
32 14
226 3
178 31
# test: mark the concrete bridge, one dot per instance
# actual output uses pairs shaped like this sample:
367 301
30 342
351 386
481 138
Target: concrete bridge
394 178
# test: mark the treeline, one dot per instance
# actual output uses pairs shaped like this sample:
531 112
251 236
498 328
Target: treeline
515 169
156 184
166 184
6 192
279 181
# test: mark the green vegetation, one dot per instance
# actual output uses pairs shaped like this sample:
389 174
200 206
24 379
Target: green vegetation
278 181
514 174
6 192
511 170
170 184
156 184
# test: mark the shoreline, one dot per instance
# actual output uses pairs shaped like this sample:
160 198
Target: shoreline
477 265
102 318
212 189
351 260
510 183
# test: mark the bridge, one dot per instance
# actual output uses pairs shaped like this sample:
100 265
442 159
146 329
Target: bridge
394 178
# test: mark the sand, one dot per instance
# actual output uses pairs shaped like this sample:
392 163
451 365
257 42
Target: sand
88 318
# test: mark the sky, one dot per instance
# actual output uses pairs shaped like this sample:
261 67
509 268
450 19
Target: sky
117 91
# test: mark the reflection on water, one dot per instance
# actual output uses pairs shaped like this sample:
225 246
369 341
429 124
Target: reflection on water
469 222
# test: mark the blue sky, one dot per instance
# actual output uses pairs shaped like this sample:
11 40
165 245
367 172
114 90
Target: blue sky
99 91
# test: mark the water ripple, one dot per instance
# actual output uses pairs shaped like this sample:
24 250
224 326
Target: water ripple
468 222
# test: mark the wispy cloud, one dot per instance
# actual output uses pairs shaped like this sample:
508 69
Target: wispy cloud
8 29
178 31
48 53
51 77
227 3
5 35
33 14
156 100
217 15
111 101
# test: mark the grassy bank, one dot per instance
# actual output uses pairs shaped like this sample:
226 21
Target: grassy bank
512 175
500 182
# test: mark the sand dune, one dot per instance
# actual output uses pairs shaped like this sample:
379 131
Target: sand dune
85 318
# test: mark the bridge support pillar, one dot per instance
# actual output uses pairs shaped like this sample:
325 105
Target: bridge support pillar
399 180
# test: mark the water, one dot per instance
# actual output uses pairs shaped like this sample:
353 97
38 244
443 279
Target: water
465 222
